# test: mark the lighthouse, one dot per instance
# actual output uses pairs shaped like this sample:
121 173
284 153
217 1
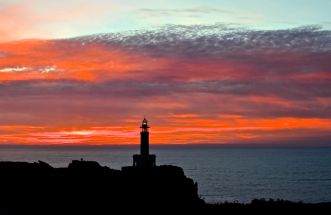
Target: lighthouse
144 138
144 159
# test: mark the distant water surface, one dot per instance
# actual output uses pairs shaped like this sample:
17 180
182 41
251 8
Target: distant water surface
223 174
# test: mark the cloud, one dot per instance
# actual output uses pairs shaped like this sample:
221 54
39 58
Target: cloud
14 69
219 40
181 12
20 69
289 90
276 82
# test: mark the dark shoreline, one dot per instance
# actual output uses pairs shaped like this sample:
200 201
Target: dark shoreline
267 203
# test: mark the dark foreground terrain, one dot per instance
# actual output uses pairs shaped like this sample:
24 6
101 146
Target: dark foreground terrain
87 187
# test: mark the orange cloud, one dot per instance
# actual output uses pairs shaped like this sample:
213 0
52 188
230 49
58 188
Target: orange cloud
78 91
39 59
186 130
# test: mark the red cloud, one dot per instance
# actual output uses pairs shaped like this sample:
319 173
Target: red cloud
78 91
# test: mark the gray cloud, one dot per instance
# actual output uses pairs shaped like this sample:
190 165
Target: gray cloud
292 90
204 97
217 40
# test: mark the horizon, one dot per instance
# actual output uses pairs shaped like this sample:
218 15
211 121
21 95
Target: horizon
203 72
175 145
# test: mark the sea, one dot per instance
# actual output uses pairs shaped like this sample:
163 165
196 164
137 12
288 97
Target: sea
232 174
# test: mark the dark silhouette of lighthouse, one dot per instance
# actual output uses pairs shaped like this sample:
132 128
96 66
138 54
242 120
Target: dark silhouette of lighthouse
144 138
144 160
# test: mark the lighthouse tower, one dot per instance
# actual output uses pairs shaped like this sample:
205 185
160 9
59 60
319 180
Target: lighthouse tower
144 159
144 138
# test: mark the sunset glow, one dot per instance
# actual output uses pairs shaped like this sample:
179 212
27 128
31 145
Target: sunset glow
207 83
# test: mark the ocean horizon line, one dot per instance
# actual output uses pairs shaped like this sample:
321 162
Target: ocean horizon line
170 145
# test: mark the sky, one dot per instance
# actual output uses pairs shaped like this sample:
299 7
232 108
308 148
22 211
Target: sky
219 72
